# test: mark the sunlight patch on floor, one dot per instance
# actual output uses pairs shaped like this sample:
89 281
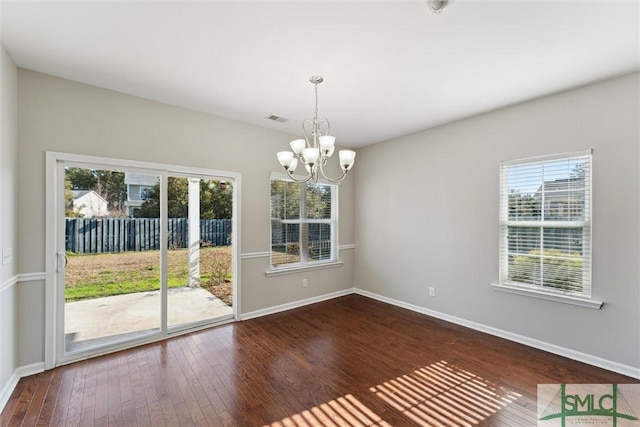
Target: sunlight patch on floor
343 411
443 395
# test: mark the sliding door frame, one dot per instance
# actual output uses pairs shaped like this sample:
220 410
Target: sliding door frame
54 308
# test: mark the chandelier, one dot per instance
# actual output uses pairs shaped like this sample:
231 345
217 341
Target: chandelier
315 149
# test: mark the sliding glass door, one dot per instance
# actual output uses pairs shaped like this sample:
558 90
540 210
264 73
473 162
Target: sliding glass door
140 253
199 258
112 277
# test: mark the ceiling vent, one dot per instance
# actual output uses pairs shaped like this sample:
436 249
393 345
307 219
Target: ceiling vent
276 118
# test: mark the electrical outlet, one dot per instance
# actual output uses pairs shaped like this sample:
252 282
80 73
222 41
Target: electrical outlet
305 283
432 291
7 256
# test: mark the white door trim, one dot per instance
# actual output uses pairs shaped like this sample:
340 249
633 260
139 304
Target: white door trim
55 208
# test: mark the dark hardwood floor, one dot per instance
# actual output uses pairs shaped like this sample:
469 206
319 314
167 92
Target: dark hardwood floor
350 361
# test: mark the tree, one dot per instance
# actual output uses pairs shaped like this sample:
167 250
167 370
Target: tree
80 178
108 184
285 199
579 171
318 201
215 200
523 206
69 211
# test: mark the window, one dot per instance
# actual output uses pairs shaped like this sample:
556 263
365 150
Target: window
303 223
545 224
145 192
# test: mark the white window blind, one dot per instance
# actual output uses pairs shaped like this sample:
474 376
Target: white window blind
303 223
545 223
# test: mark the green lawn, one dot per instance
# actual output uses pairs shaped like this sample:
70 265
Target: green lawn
101 275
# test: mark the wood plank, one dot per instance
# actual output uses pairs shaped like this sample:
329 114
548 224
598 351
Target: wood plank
63 393
41 385
46 412
102 391
87 416
90 384
74 407
115 398
348 361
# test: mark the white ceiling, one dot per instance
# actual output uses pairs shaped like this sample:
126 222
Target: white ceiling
390 67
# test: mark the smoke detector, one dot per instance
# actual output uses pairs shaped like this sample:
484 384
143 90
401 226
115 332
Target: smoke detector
437 6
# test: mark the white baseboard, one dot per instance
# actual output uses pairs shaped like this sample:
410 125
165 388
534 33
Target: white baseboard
296 304
34 368
599 362
8 388
20 372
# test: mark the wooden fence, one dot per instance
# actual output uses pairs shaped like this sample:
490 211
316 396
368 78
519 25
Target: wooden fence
104 235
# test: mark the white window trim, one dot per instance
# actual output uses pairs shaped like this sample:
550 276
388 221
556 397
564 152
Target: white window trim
547 295
335 248
536 291
297 268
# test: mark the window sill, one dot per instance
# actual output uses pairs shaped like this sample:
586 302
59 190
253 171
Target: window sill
300 268
567 299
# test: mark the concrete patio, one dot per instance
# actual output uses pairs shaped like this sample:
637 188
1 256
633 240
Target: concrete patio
122 316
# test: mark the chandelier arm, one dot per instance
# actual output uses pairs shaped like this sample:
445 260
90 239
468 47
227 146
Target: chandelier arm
304 131
324 121
333 180
290 175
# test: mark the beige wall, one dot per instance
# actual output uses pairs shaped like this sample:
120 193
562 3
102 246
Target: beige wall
425 212
8 160
427 215
8 218
64 116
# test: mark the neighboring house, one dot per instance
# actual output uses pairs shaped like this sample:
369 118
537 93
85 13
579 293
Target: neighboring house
563 198
138 184
89 204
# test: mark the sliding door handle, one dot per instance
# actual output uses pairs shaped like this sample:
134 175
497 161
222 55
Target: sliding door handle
62 261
